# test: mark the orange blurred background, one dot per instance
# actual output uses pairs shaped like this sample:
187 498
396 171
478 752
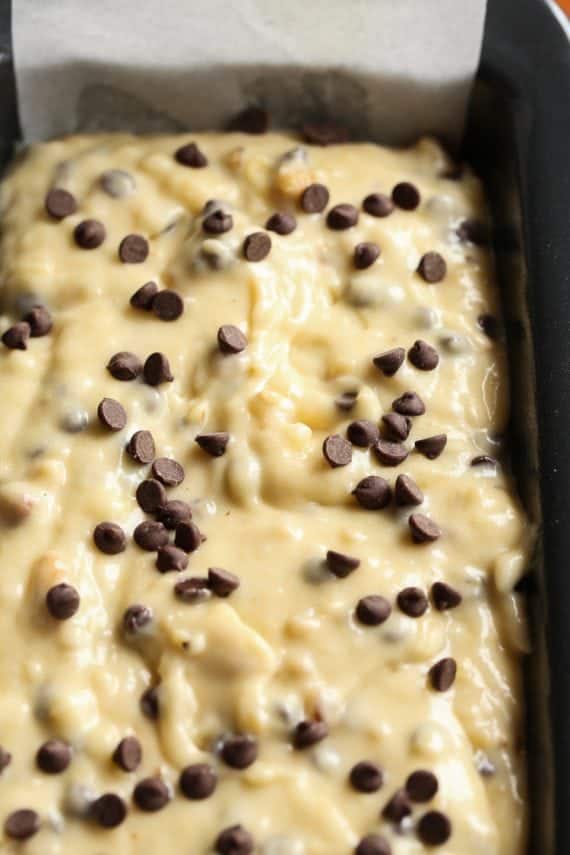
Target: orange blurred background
565 4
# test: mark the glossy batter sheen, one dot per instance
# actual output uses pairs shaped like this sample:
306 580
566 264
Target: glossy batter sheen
286 646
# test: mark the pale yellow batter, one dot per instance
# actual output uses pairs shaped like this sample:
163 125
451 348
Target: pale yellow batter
288 645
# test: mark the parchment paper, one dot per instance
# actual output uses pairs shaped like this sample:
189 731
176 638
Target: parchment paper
389 69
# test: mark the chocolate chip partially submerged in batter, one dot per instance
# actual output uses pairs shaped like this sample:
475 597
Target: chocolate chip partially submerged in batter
5 759
378 205
342 217
62 601
191 155
128 754
17 336
442 674
198 781
314 198
124 366
346 401
406 196
257 246
110 538
60 203
144 296
421 785
150 535
373 844
473 231
366 777
170 558
235 840
434 828
389 361
231 339
396 427
424 529
390 453
175 512
111 414
151 794
149 703
239 751
365 254
363 433
221 582
135 618
337 451
409 404
109 810
53 757
218 222
432 446
168 305
423 356
308 733
188 536
39 320
412 602
89 234
133 249
398 807
156 370
340 564
432 267
151 496
169 472
141 447
407 492
281 223
373 610
489 325
192 590
372 493
444 597
21 824
483 460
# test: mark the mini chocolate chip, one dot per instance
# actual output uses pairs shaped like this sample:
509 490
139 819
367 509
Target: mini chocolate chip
365 254
421 785
250 120
490 326
239 751
281 223
314 198
39 320
21 824
398 807
198 781
17 336
434 828
89 234
109 538
192 590
117 183
378 205
168 305
150 535
188 536
170 558
62 601
174 512
473 231
396 427
156 370
231 339
143 296
432 446
141 447
111 414
373 493
5 759
407 492
109 810
191 155
53 757
390 453
432 267
257 246
151 794
128 754
409 404
373 610
341 565
406 196
235 840
149 703
389 361
218 222
307 733
337 451
222 583
214 444
324 133
124 366
342 217
133 249
363 433
444 597
60 203
423 529
169 472
346 401
412 602
151 496
366 777
483 460
442 674
423 356
135 618
373 844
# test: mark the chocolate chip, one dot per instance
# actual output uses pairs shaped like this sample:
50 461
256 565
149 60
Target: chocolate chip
406 196
188 536
175 512
342 217
218 222
442 674
337 451
432 267
190 155
324 133
314 198
133 249
366 777
389 361
390 453
117 183
149 703
235 840
421 785
373 610
135 618
365 254
169 472
423 356
89 234
378 205
151 496
150 535
432 446
407 492
62 601
21 824
239 751
170 558
111 414
198 781
363 433
490 326
444 597
373 844
53 757
372 493
473 231
39 320
60 203
251 120
409 404
128 754
307 733
341 565
144 296
17 336
412 602
483 460
257 246
396 427
231 339
141 447
109 810
5 759
423 529
156 370
398 808
434 828
281 223
346 401
168 305
214 444
222 583
151 794
193 590
110 538
124 366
